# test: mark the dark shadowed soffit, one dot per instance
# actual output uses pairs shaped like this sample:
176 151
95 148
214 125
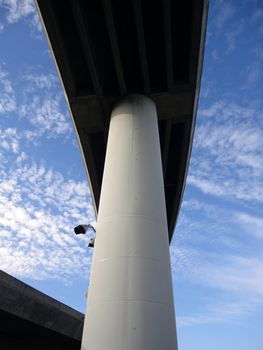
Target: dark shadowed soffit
105 50
32 320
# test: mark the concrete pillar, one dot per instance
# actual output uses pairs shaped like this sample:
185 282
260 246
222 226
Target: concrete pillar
130 303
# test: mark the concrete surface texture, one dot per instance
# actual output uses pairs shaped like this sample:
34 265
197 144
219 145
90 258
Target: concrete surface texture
30 319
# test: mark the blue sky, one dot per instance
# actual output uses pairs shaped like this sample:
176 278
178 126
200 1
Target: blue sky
217 250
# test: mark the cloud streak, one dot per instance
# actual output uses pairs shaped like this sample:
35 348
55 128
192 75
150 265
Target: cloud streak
44 113
43 106
40 103
228 152
7 95
214 252
18 10
225 11
38 210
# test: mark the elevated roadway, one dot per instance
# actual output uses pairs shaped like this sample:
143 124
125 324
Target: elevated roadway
106 50
131 70
30 319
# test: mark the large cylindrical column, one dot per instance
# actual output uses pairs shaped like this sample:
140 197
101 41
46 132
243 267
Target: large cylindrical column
130 301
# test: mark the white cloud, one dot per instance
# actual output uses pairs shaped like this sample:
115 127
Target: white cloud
9 141
7 95
252 224
233 35
216 253
214 108
228 152
46 116
258 50
39 208
260 31
39 81
236 274
35 22
21 10
215 55
206 186
38 211
253 73
17 9
231 283
257 15
224 12
224 311
42 106
21 158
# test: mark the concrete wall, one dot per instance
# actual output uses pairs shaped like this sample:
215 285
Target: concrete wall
30 319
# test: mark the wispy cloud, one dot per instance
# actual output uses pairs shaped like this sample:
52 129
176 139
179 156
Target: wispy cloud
40 81
231 284
235 274
40 103
258 51
9 140
257 15
225 10
38 210
45 114
43 106
224 311
7 95
233 35
17 10
228 152
214 252
215 55
252 224
253 73
39 206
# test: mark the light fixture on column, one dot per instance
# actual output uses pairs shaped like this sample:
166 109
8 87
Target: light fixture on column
82 229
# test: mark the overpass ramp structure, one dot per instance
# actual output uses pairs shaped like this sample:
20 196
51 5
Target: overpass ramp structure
131 72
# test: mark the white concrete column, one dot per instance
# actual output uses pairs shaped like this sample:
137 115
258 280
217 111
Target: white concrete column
130 300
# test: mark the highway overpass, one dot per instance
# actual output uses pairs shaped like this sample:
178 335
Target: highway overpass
30 319
131 72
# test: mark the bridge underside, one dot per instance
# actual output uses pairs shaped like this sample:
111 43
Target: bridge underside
106 50
32 320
